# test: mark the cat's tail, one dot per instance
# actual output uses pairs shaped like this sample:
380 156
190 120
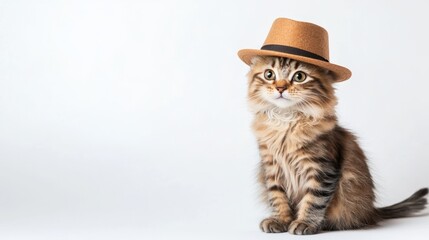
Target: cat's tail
413 204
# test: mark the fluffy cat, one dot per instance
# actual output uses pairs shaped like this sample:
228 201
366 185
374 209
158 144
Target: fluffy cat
313 172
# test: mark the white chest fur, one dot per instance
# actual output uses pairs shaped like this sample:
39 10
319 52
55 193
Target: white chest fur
284 139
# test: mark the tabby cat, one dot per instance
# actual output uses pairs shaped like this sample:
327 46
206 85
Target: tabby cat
314 174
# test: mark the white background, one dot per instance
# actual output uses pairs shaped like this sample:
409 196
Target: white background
128 119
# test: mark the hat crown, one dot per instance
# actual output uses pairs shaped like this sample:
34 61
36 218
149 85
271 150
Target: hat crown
302 35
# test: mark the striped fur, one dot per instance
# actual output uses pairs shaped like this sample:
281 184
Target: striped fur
314 174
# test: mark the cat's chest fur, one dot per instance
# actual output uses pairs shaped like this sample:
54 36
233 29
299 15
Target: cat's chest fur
283 137
283 141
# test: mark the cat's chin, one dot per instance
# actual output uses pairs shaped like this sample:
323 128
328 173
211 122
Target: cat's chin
286 106
282 103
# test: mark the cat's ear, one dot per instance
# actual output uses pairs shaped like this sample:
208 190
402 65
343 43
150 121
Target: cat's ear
255 60
327 74
331 76
326 71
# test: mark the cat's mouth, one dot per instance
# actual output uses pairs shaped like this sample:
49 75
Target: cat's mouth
281 97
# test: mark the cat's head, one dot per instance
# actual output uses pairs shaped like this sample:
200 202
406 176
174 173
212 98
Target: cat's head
290 86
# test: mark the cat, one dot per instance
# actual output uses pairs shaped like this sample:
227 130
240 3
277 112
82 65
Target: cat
313 173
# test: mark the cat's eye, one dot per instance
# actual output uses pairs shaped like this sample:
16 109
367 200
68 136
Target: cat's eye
269 74
299 76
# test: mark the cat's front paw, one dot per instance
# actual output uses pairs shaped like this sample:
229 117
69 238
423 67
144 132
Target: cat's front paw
273 225
302 228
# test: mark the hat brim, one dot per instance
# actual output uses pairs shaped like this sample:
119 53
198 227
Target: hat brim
340 73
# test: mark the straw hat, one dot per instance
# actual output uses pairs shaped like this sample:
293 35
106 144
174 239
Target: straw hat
302 41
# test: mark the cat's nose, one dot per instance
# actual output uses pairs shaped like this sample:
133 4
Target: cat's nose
281 85
281 89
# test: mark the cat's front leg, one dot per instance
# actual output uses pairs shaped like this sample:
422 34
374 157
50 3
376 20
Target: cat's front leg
281 212
319 189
